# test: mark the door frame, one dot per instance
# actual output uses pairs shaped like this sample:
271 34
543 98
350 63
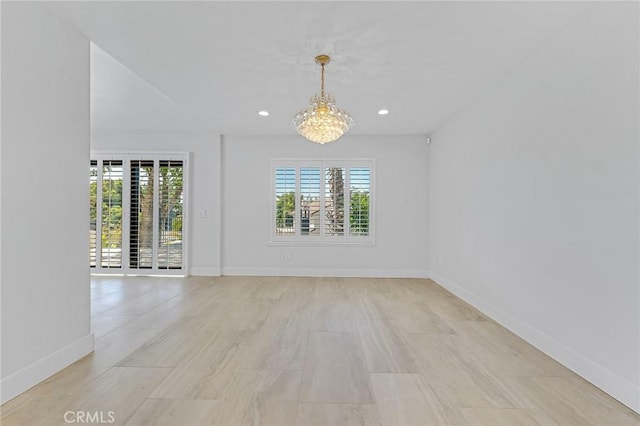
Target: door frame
126 158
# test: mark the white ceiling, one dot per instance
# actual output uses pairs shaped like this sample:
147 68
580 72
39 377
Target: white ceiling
210 66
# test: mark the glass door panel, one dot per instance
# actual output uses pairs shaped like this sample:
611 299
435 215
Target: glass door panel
111 231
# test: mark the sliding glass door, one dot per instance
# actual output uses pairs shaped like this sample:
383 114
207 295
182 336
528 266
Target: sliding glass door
137 214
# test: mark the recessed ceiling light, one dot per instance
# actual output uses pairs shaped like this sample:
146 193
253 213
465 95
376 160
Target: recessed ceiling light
383 112
263 113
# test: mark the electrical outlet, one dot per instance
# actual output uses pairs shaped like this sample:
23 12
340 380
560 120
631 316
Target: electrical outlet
287 255
440 261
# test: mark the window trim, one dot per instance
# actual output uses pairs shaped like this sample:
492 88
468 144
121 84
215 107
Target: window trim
323 240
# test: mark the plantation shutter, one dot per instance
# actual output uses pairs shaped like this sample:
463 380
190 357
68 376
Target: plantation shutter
170 186
323 201
359 195
141 214
111 229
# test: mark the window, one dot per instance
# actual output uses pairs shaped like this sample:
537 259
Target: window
136 213
323 201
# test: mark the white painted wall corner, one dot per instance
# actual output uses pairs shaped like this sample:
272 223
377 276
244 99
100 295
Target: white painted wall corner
610 382
29 376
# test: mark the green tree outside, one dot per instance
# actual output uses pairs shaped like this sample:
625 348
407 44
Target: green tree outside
359 213
285 209
112 213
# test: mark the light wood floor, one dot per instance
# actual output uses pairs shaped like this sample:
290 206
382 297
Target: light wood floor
307 351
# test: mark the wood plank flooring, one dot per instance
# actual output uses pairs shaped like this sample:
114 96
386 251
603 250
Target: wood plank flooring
306 351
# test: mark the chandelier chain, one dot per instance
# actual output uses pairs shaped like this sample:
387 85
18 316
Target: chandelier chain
322 81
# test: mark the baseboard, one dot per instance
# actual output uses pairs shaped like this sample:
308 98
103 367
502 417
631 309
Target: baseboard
327 272
204 271
613 384
20 381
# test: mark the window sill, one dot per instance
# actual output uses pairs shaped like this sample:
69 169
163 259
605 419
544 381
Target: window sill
320 244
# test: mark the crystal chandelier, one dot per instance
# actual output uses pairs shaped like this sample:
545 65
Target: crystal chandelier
322 121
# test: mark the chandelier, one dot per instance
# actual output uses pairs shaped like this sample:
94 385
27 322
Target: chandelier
322 121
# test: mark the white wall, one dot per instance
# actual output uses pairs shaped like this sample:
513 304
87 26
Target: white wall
232 241
45 149
204 186
401 202
534 196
